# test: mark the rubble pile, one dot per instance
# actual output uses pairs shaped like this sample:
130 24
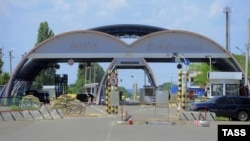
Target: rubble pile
69 104
30 102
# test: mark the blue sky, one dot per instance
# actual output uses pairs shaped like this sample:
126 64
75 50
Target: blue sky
20 19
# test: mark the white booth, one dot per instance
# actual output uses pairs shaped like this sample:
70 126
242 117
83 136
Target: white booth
223 83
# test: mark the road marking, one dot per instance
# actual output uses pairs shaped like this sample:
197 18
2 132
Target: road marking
110 130
98 109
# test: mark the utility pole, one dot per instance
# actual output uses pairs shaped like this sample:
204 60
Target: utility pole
1 57
227 10
247 53
11 57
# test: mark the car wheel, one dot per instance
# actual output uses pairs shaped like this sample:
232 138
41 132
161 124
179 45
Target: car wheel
242 116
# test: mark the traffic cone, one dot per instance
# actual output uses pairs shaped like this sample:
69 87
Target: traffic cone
130 121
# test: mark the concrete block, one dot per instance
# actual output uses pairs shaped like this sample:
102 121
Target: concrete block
7 116
60 112
36 114
55 114
192 115
182 116
45 113
17 115
1 117
26 115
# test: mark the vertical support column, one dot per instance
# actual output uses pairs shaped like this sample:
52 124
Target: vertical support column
108 107
179 89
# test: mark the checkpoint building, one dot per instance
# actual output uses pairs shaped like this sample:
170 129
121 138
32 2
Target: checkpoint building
105 44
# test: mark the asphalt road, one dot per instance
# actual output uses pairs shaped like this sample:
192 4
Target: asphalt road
96 125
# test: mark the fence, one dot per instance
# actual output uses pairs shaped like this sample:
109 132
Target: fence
10 101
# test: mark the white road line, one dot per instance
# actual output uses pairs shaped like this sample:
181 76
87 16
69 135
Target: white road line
98 109
110 130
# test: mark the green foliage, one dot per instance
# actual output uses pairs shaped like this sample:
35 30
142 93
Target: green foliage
44 32
72 89
1 63
166 86
47 75
125 93
15 107
241 60
92 74
4 78
202 69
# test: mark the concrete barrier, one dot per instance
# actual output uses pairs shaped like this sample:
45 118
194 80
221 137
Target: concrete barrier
26 115
1 117
7 116
36 114
190 115
55 114
45 112
17 115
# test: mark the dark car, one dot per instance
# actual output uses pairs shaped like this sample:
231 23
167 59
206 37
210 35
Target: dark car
234 107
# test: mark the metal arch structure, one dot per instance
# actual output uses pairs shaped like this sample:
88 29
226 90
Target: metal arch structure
128 63
98 46
128 30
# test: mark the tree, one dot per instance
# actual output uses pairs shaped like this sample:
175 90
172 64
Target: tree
44 32
47 75
125 92
166 86
4 77
241 60
84 74
202 70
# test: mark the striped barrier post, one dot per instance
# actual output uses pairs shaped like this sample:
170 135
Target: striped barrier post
115 108
179 94
108 107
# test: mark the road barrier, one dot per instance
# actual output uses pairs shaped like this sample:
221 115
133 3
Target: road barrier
40 114
191 115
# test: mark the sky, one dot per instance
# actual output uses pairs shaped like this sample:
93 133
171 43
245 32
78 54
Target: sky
20 20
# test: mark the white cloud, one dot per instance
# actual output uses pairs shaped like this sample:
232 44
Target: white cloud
61 5
25 4
109 7
4 7
216 8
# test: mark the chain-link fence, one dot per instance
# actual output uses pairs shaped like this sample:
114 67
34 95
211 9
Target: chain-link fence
10 101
